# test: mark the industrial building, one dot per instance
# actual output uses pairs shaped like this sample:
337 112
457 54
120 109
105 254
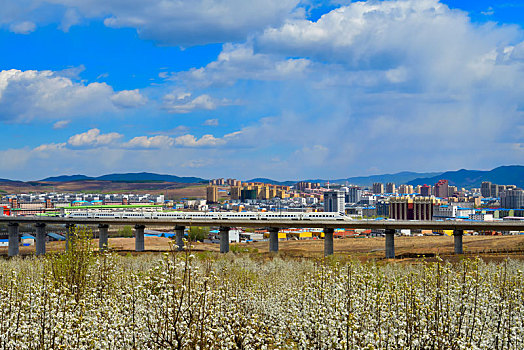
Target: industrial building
412 208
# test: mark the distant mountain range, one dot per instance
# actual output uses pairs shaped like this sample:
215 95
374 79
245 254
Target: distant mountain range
504 175
272 182
398 178
127 177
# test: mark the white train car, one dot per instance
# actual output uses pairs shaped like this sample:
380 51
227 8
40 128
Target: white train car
208 215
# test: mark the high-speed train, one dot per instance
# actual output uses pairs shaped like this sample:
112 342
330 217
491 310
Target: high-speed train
209 215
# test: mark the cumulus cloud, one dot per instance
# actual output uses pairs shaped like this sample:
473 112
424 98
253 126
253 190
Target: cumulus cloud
370 85
128 99
192 23
174 22
241 62
204 141
25 95
93 138
183 103
25 27
50 147
144 142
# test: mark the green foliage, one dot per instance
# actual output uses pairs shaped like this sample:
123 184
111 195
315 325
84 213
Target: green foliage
125 231
70 270
198 233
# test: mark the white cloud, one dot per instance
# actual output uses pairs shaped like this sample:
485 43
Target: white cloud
144 142
240 62
183 103
414 41
205 141
193 23
383 85
128 99
93 138
211 122
70 18
175 22
61 124
50 147
25 27
25 95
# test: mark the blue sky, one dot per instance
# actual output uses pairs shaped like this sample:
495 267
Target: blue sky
285 89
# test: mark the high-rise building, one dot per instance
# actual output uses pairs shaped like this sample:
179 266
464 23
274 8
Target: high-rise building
425 190
405 189
302 186
512 199
485 189
494 190
441 189
378 188
452 190
334 201
235 192
382 208
353 194
212 194
390 188
246 194
263 192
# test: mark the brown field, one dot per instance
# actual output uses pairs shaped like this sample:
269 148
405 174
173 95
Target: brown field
407 248
172 190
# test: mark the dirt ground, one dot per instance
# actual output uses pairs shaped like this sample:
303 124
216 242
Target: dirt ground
361 248
172 190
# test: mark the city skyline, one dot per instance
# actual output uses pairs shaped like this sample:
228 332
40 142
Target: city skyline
277 89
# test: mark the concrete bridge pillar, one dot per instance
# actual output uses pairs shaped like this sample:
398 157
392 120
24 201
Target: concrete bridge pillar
179 237
328 241
457 235
273 239
224 239
40 238
390 243
14 238
103 236
139 238
70 230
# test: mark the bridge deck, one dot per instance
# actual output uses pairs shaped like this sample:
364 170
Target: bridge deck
353 224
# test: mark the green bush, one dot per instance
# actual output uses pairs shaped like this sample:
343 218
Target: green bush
70 269
126 231
198 233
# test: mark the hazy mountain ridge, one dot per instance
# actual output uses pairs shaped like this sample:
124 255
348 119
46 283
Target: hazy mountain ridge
504 175
127 177
397 178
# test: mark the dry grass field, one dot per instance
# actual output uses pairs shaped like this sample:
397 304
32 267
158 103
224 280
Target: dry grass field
360 248
170 189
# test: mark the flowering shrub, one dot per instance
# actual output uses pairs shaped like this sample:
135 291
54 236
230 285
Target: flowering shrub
178 301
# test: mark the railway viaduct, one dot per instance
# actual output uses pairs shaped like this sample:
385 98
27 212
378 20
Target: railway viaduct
273 226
